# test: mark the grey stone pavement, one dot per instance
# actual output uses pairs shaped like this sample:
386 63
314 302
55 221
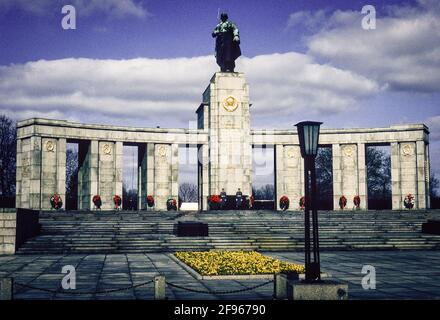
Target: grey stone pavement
400 275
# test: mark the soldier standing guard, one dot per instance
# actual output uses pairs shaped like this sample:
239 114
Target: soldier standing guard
227 44
223 199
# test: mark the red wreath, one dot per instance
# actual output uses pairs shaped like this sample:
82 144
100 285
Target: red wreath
97 201
409 201
342 202
56 201
117 200
357 201
171 204
150 201
214 202
284 203
302 202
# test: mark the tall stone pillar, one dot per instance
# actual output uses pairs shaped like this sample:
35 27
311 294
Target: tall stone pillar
109 172
19 175
289 175
29 173
396 190
165 174
362 176
174 171
422 200
53 170
203 176
87 173
337 175
150 173
345 174
230 149
408 173
279 173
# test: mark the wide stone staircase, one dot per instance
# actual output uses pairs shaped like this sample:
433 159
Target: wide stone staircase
136 232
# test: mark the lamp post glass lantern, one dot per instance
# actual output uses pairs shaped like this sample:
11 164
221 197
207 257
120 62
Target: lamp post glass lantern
308 135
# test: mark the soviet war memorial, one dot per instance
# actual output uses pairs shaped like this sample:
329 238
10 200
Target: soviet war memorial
228 161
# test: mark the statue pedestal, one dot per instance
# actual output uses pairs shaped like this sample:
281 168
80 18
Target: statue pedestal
224 112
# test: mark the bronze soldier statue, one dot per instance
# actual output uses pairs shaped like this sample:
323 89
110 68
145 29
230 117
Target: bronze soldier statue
227 44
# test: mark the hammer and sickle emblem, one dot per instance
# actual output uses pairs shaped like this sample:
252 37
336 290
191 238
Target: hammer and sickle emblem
230 104
50 147
107 149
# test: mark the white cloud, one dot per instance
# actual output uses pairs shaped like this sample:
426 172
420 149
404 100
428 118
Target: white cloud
85 89
111 8
434 128
402 53
311 20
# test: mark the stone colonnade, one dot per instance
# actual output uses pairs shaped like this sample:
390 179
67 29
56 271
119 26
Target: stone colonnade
224 140
409 163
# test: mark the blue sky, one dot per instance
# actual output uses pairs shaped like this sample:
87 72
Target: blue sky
146 63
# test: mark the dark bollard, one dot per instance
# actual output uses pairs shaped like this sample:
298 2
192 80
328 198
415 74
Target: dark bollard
6 288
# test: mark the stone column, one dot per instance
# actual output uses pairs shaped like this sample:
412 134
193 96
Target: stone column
396 190
350 179
203 176
108 175
408 173
428 177
337 175
422 201
150 175
290 175
362 176
19 175
29 175
174 171
53 166
279 174
118 168
165 186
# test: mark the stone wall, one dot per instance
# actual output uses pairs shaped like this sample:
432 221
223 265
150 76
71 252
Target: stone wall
7 232
289 175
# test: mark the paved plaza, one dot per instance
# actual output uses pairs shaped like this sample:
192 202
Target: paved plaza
400 275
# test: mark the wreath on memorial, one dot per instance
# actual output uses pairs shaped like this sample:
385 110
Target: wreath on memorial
117 201
302 202
171 204
56 202
342 202
357 201
97 201
409 201
150 201
214 202
284 203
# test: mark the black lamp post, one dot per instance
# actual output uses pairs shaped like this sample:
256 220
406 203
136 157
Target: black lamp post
308 134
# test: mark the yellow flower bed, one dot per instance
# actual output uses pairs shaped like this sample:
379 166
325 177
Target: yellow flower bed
213 263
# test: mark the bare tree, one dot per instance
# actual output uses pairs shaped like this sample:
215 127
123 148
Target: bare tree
266 192
188 192
434 185
8 147
71 179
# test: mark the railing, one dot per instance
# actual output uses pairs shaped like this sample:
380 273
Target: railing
7 286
